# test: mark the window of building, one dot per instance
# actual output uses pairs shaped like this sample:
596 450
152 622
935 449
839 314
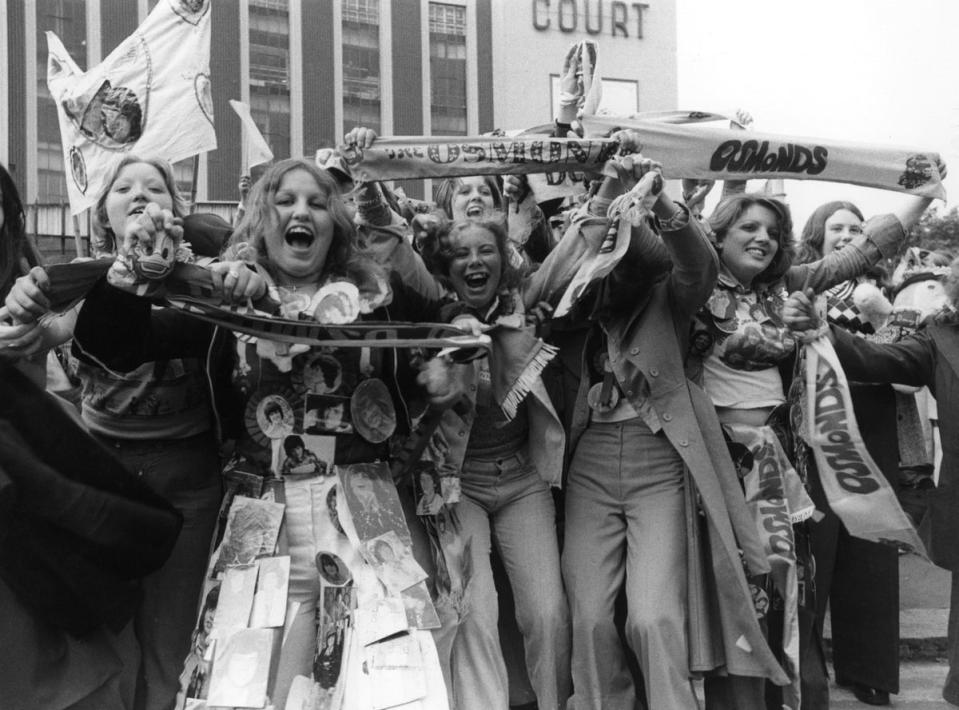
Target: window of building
448 69
66 18
361 64
620 96
270 72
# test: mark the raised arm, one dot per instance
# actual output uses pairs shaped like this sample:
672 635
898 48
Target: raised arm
881 238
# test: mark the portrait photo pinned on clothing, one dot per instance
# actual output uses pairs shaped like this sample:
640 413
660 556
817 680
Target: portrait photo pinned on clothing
333 623
272 586
195 678
373 413
333 569
420 612
371 499
236 601
393 562
307 455
331 509
241 669
240 478
327 414
321 373
251 532
426 481
273 418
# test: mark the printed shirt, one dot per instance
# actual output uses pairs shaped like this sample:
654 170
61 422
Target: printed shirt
334 399
739 339
157 400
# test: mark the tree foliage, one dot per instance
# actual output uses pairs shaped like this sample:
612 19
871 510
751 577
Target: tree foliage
937 231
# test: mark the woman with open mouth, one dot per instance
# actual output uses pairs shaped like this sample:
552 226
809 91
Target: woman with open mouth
742 354
509 458
156 415
297 243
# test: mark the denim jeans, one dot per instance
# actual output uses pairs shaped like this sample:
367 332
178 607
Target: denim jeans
507 502
626 525
187 473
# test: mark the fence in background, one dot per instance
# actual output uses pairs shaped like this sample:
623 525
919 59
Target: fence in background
61 237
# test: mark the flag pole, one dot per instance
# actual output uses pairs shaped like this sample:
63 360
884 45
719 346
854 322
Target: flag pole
195 180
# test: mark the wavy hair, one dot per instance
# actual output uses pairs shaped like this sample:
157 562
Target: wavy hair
730 209
261 218
104 240
439 261
814 232
14 244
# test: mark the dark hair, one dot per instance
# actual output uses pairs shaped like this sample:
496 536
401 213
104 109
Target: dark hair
261 219
814 232
212 598
14 244
293 441
104 239
329 370
127 105
447 190
272 408
728 212
327 559
439 260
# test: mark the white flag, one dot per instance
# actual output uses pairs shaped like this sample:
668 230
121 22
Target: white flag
256 150
151 96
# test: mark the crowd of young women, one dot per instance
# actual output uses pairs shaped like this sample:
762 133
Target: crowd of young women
684 346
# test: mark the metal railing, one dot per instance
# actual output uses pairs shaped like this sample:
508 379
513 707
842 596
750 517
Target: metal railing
60 236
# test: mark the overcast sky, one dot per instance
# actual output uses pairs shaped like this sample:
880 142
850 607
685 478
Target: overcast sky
874 71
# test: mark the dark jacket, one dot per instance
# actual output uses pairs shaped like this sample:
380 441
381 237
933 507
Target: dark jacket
930 358
78 530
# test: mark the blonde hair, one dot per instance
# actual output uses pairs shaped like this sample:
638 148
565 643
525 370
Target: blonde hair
104 240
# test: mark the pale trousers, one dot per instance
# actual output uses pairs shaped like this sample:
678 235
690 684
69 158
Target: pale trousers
626 525
506 503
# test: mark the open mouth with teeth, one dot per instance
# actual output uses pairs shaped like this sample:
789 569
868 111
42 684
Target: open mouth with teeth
475 210
476 280
757 252
140 209
299 237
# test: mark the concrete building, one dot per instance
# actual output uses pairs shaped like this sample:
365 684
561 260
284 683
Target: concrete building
311 68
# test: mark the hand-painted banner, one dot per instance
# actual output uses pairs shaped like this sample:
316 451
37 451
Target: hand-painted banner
854 486
151 95
558 185
426 157
770 497
726 154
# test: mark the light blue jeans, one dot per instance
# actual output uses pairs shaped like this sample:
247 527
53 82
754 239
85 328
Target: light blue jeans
507 503
626 524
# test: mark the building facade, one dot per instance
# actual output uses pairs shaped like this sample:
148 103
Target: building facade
312 69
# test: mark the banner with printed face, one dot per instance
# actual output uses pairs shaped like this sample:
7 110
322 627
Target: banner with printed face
726 154
854 486
151 96
426 157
